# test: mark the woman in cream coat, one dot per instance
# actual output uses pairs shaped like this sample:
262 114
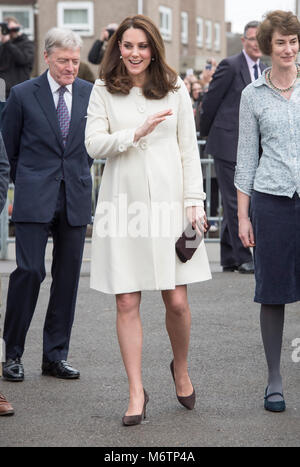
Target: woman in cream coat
140 120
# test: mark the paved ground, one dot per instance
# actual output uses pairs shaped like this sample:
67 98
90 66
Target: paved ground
226 365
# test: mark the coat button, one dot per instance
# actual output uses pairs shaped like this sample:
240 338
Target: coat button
122 148
144 145
142 109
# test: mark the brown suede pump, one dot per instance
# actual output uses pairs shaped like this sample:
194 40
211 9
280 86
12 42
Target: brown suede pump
131 420
189 401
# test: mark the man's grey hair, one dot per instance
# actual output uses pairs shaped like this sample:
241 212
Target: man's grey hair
251 24
63 39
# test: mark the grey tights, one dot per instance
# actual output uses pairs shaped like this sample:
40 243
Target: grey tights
272 323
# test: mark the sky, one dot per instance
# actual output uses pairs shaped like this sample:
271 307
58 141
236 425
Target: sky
240 12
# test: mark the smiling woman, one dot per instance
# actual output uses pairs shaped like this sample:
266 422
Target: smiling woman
140 119
270 120
136 55
137 46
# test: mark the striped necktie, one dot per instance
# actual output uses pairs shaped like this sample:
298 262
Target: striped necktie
63 114
255 67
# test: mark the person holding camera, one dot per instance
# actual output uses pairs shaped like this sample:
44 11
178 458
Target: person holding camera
16 54
97 51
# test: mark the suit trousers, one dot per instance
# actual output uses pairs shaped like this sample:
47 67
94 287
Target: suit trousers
233 253
25 281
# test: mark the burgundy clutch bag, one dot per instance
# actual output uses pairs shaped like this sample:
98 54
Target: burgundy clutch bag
188 243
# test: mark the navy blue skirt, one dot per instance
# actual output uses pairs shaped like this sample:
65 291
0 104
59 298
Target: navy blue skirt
276 224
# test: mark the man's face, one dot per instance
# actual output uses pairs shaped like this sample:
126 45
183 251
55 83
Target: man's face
63 65
251 45
14 25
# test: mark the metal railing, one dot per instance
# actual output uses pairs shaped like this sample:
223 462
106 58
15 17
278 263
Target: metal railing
97 171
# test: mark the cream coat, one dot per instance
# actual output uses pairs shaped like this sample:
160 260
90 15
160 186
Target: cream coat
144 192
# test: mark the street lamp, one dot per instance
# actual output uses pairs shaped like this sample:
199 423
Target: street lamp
140 7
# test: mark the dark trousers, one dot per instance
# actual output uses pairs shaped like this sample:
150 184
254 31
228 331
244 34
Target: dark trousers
25 281
232 251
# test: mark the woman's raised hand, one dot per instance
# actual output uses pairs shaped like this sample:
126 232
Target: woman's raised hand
151 123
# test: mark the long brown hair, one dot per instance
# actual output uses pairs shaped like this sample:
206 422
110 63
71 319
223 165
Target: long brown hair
161 78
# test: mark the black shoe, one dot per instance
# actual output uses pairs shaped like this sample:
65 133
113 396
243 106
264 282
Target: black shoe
60 369
230 268
246 268
277 406
13 370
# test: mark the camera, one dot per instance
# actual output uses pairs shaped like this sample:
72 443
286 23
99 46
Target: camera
208 65
110 32
6 30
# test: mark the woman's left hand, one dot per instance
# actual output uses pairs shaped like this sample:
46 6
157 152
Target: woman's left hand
197 217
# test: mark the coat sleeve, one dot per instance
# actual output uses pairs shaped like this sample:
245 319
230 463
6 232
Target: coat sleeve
12 122
99 141
4 174
248 147
218 88
189 151
96 53
23 55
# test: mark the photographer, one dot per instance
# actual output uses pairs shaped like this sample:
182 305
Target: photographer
16 54
97 51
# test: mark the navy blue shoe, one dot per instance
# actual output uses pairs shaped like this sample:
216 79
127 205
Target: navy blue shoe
278 406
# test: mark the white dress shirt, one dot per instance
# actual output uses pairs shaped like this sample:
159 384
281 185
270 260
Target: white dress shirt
54 86
251 64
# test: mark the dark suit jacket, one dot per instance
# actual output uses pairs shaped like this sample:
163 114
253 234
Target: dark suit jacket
4 174
38 159
219 118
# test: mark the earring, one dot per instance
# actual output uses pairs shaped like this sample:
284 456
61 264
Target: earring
153 59
121 58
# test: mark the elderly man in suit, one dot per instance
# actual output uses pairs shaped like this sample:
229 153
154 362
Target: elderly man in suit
219 121
43 130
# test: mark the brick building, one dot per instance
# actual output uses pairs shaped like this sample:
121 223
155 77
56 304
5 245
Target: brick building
193 30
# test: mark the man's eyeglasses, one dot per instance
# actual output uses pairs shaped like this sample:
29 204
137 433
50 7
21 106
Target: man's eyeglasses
251 39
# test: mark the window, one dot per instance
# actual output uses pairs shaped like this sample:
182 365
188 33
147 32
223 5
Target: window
165 22
78 16
184 27
217 37
208 34
199 22
24 15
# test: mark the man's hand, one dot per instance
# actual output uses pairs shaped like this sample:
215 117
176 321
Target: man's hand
4 38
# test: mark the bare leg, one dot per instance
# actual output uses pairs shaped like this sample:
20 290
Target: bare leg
178 323
272 323
130 335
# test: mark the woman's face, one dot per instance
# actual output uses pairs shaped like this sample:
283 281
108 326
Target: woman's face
196 89
136 52
284 49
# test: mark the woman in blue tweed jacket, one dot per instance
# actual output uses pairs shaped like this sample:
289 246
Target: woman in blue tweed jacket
270 121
